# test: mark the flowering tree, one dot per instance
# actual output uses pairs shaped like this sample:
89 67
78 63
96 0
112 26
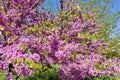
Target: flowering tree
34 43
108 21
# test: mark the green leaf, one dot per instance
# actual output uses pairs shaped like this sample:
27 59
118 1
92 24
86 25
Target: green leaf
85 40
32 65
67 38
2 75
11 40
23 47
98 66
7 33
45 52
65 23
73 56
19 60
81 35
56 66
48 25
106 64
27 60
94 39
38 66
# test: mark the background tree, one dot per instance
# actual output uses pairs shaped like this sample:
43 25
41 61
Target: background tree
107 19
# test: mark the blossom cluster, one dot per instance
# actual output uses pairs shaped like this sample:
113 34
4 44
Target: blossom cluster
72 41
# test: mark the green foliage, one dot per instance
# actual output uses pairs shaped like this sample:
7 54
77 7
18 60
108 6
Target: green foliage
98 66
32 64
11 40
105 77
2 75
102 67
22 47
94 39
7 33
73 56
53 75
34 29
56 67
50 74
45 53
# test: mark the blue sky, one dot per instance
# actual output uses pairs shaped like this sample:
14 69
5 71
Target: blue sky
54 3
115 8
